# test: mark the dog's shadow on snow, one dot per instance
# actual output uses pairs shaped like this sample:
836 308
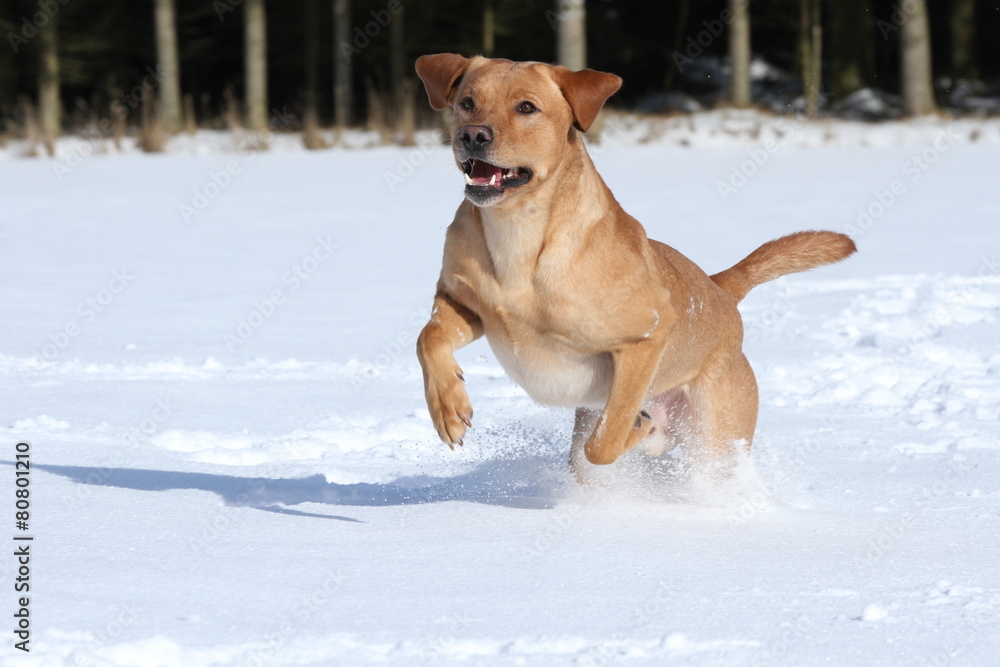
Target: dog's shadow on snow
524 484
529 472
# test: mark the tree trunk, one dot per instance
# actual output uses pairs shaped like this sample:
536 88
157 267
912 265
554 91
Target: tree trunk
255 42
403 91
169 65
489 27
571 34
342 92
680 30
310 55
810 49
49 104
9 77
963 39
311 136
397 63
852 46
915 45
739 53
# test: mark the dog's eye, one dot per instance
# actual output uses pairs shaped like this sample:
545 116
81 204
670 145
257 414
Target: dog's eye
467 104
526 107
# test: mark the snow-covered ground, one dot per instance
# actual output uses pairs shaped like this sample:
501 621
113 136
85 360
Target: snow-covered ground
717 128
211 357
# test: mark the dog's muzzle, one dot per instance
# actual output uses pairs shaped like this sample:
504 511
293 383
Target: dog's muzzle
485 182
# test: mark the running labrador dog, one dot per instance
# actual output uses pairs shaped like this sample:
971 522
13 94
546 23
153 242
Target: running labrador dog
579 306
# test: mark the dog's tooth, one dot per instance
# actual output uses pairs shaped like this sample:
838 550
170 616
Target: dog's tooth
468 179
493 179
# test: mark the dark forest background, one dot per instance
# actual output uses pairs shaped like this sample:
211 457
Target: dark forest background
106 48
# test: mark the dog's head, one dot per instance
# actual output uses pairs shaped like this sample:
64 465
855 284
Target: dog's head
513 121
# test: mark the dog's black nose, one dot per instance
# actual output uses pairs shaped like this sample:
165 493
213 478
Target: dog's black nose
476 136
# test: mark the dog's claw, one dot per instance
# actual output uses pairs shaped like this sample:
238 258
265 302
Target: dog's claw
461 376
450 446
460 444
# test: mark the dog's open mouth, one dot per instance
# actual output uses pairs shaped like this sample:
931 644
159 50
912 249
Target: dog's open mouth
479 174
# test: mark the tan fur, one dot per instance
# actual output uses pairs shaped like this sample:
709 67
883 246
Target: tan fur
580 307
789 254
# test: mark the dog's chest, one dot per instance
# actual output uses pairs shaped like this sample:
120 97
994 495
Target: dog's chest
536 342
553 375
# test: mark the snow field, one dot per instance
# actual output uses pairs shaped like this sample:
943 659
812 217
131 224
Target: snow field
233 464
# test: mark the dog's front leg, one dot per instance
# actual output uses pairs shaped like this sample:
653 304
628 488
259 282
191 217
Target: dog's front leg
451 326
623 423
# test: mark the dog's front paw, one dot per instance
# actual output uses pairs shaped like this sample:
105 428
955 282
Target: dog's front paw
449 406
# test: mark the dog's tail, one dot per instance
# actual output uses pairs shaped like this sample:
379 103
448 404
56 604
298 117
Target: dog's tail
796 252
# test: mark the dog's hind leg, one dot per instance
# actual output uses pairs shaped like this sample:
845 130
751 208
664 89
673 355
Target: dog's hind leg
724 409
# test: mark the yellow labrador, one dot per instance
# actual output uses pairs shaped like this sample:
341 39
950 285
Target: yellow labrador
579 306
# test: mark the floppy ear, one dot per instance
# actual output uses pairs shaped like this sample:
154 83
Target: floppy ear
440 73
586 91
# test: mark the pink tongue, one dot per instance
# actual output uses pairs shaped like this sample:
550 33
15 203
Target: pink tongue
483 172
